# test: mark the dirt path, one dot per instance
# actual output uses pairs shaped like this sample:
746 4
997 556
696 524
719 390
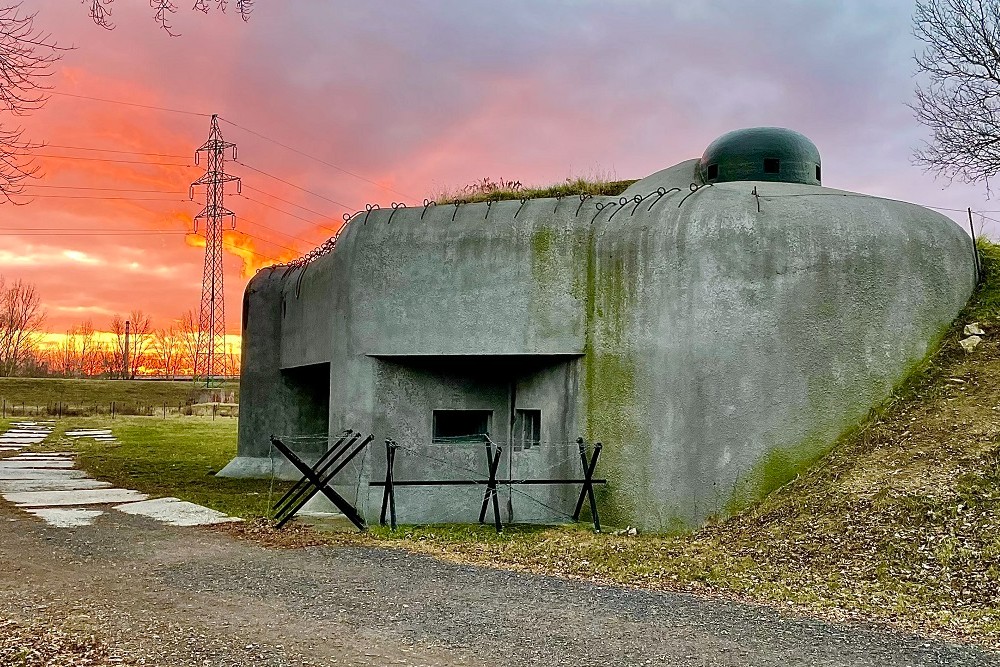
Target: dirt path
184 596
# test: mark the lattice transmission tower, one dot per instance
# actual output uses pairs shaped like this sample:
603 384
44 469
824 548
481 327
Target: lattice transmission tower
210 355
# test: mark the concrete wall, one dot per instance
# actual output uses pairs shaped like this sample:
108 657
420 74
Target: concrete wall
715 350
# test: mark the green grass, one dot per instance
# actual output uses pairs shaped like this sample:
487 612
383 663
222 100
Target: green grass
571 187
176 457
87 393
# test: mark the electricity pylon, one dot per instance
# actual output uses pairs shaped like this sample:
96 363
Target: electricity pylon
210 356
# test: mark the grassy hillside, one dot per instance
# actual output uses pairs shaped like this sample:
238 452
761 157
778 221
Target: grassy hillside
88 392
899 523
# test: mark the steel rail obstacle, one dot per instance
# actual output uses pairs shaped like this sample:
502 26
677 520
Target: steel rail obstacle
317 479
490 497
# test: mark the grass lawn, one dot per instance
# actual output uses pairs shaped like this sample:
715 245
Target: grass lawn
90 392
176 457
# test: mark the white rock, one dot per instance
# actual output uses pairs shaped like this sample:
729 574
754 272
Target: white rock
972 329
970 343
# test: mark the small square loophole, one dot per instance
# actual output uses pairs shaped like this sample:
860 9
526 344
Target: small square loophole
712 172
772 165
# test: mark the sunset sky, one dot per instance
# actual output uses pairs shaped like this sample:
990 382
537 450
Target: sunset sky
404 100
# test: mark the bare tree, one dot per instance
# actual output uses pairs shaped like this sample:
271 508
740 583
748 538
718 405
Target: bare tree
960 101
189 340
168 348
26 58
21 318
100 11
132 340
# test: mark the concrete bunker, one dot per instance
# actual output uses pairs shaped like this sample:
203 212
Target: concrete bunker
716 334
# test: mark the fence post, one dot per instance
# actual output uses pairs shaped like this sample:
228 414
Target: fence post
112 409
214 405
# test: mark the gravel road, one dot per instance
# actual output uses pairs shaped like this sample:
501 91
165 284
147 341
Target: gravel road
182 596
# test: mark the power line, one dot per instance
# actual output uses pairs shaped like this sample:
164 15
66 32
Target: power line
317 159
260 238
292 215
83 187
109 150
105 159
247 220
129 104
87 229
297 187
41 196
304 208
73 233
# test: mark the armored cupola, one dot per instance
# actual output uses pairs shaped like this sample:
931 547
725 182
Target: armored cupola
761 154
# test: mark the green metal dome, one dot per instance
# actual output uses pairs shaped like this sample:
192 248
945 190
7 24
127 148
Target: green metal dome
761 154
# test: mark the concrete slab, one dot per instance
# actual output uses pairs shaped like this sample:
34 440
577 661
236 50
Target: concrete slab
65 498
85 432
10 464
66 518
176 512
50 484
44 456
10 449
40 473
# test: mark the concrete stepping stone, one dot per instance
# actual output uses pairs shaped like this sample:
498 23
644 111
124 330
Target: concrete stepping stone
65 498
40 473
9 464
61 517
44 455
176 512
50 484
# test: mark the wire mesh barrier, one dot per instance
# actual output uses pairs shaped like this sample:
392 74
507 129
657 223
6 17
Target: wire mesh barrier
319 478
33 408
491 482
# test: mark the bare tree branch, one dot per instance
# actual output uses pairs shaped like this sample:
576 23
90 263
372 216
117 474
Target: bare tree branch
100 11
960 103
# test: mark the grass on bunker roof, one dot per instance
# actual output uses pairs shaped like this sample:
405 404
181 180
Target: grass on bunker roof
176 456
489 190
899 523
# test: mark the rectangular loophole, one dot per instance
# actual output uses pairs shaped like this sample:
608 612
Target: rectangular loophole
527 429
772 165
818 174
712 172
461 425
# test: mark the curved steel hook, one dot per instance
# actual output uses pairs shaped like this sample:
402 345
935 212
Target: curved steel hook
523 202
559 199
638 200
583 198
660 194
395 207
457 204
427 203
694 187
600 206
369 208
622 203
